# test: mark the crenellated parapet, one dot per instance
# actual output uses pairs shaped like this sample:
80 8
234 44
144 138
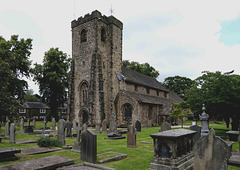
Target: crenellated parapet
97 15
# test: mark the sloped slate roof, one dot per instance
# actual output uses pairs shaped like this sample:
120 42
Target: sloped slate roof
145 98
35 105
174 97
133 76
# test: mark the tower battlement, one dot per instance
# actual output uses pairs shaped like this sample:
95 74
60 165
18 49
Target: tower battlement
97 15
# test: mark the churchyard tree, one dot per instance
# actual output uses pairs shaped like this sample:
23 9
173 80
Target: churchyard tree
14 65
144 68
52 77
221 95
178 84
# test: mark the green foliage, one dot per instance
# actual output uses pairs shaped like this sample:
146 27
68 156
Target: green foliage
221 94
14 65
52 77
145 68
48 142
30 97
178 84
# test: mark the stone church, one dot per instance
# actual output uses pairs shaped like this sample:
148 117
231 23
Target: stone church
100 86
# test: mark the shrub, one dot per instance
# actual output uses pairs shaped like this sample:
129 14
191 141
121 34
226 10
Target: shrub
48 142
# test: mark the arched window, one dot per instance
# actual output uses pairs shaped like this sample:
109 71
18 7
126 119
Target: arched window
83 35
103 35
84 94
127 110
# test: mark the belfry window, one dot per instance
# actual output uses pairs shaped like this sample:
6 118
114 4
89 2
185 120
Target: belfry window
84 94
83 35
103 35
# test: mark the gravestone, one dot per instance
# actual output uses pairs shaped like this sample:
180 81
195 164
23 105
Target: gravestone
12 133
84 127
131 137
204 122
21 125
138 126
75 124
198 134
34 122
69 129
44 127
89 147
104 126
53 124
61 131
7 130
165 126
112 124
211 152
77 143
97 128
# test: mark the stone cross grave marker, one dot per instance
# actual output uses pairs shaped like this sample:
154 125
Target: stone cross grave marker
165 126
69 129
53 124
89 146
198 134
104 126
204 122
211 152
61 131
112 124
44 127
7 125
131 137
21 125
84 127
138 126
77 143
12 133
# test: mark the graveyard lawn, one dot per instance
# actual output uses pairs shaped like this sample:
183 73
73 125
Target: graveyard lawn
137 158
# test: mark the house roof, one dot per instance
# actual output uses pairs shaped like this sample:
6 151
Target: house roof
134 77
35 105
145 98
174 97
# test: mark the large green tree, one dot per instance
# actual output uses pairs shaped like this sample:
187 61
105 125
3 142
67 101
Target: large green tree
52 77
221 94
178 84
14 65
144 68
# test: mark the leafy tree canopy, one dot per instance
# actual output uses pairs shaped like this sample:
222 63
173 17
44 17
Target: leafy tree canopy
52 77
178 84
29 96
14 65
221 94
145 68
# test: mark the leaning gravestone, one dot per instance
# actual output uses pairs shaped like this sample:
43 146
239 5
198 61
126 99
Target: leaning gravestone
89 146
85 127
112 124
61 131
198 134
211 152
7 128
69 129
138 126
22 126
97 128
12 133
104 126
165 126
53 124
131 137
77 143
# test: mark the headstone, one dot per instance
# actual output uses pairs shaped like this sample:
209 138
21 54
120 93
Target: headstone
204 122
77 143
21 125
44 127
198 134
15 122
12 133
61 131
28 122
69 129
165 126
211 152
34 122
7 125
138 126
89 147
53 124
75 124
97 128
131 137
112 124
84 127
104 126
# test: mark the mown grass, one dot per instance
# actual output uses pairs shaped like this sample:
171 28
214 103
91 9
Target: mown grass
137 158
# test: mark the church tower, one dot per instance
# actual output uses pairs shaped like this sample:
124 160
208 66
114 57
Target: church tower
96 59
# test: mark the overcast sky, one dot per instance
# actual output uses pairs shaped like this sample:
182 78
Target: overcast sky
177 37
